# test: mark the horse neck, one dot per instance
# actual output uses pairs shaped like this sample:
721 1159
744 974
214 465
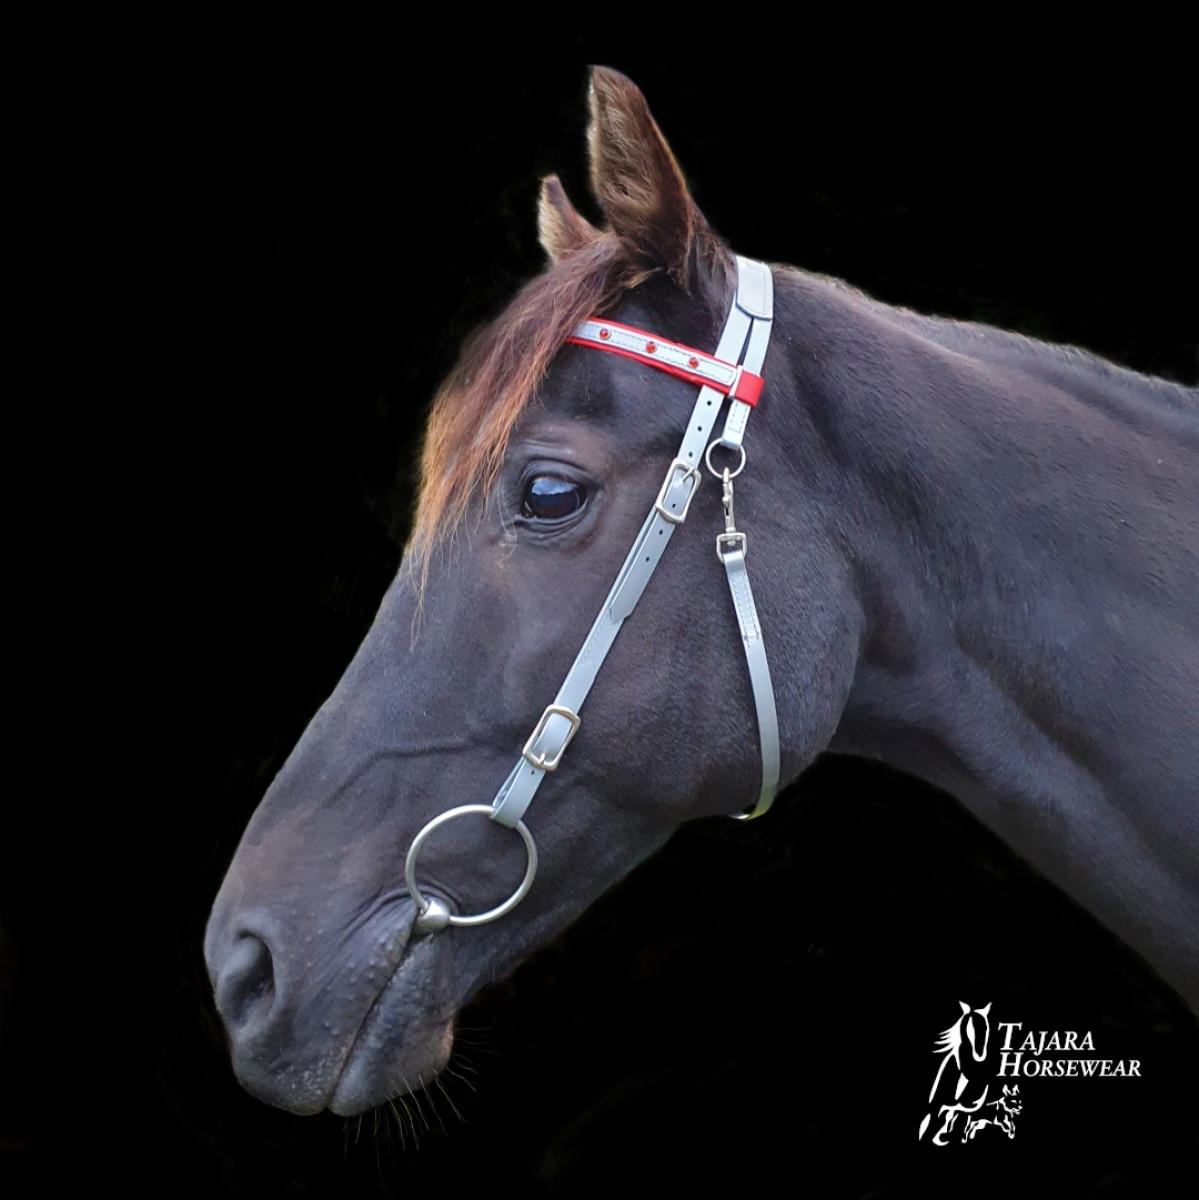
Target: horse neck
986 523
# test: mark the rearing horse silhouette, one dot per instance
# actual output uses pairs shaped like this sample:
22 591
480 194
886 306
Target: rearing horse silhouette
976 557
972 1029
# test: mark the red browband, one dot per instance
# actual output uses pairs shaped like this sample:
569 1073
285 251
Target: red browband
686 362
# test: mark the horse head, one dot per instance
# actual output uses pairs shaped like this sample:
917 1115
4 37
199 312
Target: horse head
977 1025
539 462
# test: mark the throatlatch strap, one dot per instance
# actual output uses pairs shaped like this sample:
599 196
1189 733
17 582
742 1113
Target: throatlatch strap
732 371
738 574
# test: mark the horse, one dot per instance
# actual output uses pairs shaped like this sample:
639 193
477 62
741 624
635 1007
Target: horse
973 1030
974 557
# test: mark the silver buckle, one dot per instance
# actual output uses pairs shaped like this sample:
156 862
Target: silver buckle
734 536
539 760
660 504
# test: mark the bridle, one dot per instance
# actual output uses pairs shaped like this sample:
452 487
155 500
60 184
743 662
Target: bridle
733 372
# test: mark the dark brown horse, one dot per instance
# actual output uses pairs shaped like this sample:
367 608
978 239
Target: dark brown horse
976 557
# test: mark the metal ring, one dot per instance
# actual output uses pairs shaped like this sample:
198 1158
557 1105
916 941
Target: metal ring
476 918
720 474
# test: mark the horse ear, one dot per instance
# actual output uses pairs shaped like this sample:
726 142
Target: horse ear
561 228
965 1009
637 181
982 1012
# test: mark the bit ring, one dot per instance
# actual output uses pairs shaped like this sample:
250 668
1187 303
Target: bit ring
473 918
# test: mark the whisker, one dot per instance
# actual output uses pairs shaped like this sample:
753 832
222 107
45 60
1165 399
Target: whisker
463 1078
432 1104
408 1113
375 1140
476 1048
395 1112
420 1110
472 1037
450 1099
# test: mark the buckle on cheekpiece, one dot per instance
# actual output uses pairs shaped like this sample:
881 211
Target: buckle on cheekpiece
730 543
689 470
539 760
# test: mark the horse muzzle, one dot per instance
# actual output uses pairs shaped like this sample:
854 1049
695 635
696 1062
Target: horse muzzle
345 1028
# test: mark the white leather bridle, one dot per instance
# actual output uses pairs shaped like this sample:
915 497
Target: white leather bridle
733 371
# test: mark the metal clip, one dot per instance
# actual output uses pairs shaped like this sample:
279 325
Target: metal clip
732 536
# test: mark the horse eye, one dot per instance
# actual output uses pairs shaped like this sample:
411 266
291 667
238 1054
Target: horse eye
550 497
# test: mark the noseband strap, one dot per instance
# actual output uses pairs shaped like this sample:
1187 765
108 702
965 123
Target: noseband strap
734 371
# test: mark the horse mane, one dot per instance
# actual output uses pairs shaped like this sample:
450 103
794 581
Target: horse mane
993 342
950 1040
497 374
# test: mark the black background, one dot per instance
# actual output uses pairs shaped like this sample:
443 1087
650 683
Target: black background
753 1008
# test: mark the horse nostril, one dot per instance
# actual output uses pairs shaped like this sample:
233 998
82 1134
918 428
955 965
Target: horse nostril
245 990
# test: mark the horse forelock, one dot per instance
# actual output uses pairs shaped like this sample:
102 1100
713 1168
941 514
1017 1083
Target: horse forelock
497 374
